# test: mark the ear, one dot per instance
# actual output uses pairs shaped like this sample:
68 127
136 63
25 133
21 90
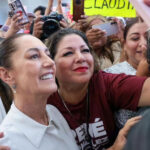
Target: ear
7 76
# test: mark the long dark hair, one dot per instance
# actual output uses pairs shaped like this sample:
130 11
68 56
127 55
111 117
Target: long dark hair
7 48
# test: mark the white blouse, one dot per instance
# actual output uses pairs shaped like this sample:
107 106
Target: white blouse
23 133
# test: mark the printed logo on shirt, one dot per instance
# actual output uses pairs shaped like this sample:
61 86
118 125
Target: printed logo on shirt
97 132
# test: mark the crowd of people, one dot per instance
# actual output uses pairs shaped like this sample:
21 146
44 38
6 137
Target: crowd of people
72 87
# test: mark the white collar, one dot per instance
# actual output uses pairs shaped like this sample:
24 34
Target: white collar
33 130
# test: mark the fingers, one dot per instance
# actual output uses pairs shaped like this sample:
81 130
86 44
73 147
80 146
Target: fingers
16 23
131 122
38 27
4 148
63 23
143 68
95 34
121 138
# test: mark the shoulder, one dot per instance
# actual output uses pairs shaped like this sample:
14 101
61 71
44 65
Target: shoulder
107 76
122 67
55 116
51 108
53 111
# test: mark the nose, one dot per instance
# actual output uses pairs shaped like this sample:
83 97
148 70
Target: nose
143 43
79 57
48 62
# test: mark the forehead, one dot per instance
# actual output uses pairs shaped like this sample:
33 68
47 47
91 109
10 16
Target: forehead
72 40
96 21
28 41
138 28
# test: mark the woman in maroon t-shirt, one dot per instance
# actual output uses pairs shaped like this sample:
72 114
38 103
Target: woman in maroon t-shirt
88 99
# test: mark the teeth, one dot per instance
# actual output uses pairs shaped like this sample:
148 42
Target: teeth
48 76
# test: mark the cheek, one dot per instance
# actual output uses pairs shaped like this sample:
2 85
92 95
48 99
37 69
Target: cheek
28 70
61 67
131 47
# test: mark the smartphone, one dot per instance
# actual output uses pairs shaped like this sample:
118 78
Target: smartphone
17 7
78 9
110 28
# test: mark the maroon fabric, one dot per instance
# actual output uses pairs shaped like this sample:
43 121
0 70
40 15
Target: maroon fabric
108 92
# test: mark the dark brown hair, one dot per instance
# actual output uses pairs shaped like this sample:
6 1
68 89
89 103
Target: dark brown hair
7 48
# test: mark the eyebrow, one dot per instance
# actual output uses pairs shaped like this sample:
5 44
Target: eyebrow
82 46
37 49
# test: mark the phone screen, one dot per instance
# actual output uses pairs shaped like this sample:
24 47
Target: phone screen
111 28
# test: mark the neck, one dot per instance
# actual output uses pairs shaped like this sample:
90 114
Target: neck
73 95
134 65
34 107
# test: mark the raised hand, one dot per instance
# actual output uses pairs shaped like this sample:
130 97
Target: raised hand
96 37
15 25
121 138
38 27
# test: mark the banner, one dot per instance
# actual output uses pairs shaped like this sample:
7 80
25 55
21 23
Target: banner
111 8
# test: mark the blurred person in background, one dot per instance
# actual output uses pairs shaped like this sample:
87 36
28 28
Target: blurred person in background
40 10
134 56
88 98
37 28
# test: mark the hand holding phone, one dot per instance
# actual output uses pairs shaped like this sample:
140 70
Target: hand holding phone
16 7
111 28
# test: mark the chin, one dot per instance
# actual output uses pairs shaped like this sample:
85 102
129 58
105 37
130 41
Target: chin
83 79
50 89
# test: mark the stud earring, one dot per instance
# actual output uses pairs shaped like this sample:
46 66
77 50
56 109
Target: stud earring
14 88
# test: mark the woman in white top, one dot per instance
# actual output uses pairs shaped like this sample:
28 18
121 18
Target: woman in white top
135 46
30 124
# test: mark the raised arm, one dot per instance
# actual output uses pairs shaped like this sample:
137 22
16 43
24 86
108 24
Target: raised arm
49 7
145 94
59 7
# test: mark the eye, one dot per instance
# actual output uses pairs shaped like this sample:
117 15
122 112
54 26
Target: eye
68 53
135 38
35 56
86 50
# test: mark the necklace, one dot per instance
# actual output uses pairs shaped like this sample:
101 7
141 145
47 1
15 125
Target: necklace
86 131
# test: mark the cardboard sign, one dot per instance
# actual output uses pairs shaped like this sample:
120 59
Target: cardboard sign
111 8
